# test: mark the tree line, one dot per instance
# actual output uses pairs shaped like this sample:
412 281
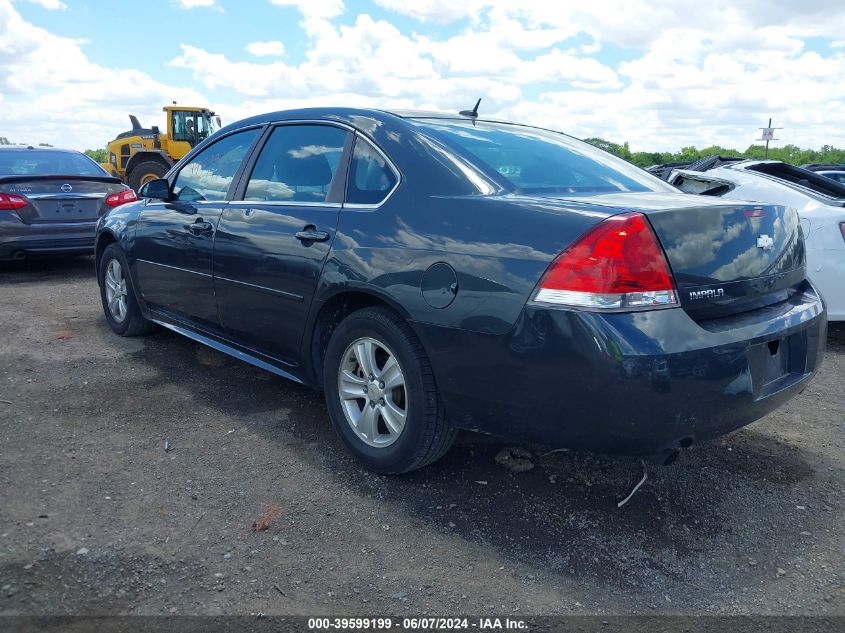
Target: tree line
791 154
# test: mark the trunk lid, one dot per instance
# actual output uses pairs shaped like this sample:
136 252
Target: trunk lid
726 256
64 199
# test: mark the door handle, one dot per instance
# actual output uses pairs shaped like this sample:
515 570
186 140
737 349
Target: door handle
200 227
311 234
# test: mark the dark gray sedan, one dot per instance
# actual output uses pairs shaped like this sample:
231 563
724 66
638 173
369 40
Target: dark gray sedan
434 272
50 200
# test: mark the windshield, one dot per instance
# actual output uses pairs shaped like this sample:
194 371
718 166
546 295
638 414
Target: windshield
34 162
540 161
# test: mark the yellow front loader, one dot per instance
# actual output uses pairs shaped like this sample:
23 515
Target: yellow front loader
144 154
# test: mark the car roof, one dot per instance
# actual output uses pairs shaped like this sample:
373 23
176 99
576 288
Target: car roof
322 113
40 148
352 116
426 114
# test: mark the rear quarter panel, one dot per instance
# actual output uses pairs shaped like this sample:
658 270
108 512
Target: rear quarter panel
498 246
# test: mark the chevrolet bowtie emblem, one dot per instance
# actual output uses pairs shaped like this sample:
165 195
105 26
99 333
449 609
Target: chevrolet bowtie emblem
765 242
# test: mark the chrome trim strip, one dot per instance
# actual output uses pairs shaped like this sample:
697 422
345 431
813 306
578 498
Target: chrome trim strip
272 291
285 203
231 351
64 196
150 201
183 270
388 162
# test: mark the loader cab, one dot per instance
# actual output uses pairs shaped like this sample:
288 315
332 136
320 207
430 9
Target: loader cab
190 125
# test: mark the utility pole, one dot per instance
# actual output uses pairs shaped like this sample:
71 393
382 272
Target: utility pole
769 135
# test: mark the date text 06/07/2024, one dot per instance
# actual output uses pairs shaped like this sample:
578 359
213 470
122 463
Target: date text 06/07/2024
416 624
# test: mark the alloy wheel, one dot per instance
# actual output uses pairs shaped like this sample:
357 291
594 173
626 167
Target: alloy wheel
116 291
372 391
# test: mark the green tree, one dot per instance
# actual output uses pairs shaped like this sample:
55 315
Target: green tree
791 154
4 141
99 155
622 151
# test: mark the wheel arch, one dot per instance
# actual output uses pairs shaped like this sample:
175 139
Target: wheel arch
105 238
148 155
332 309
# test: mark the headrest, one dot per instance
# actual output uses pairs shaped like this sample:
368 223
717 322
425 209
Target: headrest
312 170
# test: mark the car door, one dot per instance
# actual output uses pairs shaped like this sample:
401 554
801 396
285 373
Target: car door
174 240
273 239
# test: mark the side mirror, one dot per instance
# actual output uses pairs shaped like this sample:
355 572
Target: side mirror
158 189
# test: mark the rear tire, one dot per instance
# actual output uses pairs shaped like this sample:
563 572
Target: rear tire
118 295
399 359
144 172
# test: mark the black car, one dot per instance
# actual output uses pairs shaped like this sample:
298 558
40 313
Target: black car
434 272
51 199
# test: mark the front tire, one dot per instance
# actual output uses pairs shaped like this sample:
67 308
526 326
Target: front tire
144 172
118 296
381 393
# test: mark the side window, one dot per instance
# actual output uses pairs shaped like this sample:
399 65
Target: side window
297 164
208 175
370 177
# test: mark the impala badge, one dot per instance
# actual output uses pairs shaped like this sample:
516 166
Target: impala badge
765 242
711 293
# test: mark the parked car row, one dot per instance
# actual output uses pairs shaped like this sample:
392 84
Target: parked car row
434 272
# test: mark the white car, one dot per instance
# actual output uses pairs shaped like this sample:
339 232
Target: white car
820 203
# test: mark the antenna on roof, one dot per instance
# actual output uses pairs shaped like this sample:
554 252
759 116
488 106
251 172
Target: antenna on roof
471 113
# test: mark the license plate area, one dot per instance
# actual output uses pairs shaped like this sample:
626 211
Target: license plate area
66 210
778 363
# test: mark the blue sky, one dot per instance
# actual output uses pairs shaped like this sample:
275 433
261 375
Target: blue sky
650 72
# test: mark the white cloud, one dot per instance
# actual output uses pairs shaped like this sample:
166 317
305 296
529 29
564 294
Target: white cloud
439 11
266 49
51 92
687 77
198 4
50 5
314 8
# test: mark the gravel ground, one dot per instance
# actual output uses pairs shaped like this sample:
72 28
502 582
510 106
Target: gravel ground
96 517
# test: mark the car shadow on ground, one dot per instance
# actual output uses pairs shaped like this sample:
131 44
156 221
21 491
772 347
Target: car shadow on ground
64 268
724 503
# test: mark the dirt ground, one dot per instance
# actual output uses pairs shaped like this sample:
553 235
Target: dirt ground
97 518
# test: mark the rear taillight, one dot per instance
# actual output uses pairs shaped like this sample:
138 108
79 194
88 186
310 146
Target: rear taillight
121 197
616 265
12 202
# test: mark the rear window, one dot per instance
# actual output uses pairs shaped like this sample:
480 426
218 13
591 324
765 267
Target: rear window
36 162
541 161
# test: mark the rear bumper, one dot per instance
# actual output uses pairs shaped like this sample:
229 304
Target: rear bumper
54 238
634 384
